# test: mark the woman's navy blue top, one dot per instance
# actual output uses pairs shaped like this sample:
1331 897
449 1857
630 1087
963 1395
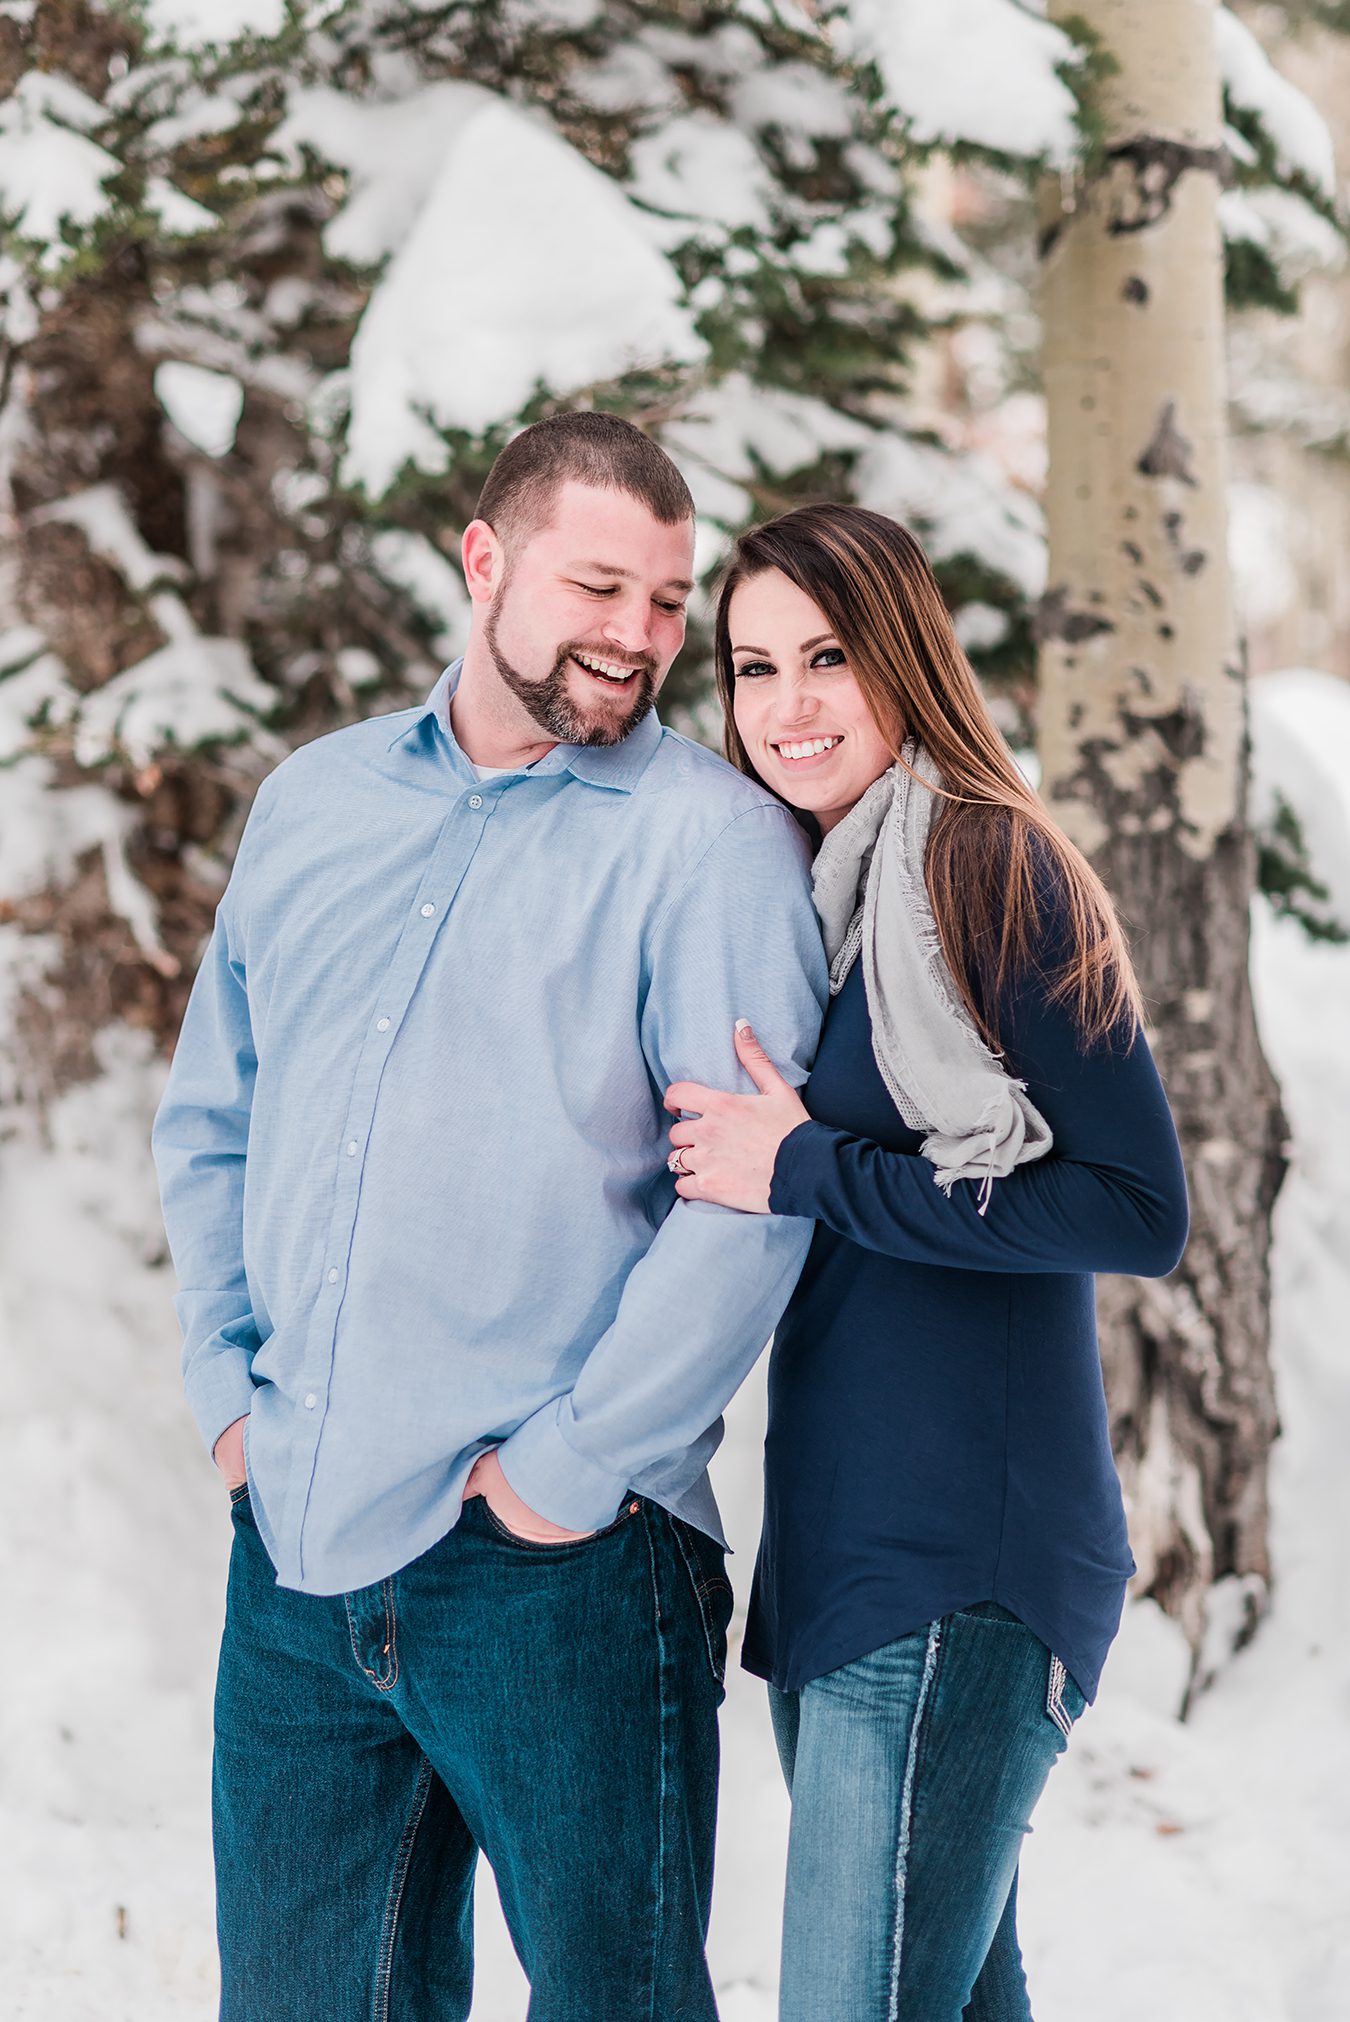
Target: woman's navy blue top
937 1423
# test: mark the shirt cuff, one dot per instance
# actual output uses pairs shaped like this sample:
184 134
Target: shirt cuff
554 1479
219 1389
804 1157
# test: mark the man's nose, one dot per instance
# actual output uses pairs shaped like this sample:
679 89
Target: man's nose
629 627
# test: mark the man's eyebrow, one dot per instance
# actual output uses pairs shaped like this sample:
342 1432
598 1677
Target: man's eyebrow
629 575
805 646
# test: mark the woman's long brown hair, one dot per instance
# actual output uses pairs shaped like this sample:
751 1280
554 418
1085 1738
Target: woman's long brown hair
992 848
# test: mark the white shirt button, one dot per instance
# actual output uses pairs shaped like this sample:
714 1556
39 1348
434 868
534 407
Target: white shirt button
351 1147
475 800
333 1276
428 910
310 1400
381 1024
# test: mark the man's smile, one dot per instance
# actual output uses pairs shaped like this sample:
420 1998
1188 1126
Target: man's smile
612 671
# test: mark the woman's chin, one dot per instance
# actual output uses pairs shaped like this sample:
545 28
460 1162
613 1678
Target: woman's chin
808 795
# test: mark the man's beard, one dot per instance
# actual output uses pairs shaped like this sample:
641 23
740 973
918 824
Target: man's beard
552 707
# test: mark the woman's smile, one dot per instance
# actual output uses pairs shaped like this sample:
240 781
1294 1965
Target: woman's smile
806 753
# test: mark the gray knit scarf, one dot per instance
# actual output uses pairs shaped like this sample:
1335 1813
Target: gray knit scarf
868 881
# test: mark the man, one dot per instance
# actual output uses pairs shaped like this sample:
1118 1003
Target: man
455 1345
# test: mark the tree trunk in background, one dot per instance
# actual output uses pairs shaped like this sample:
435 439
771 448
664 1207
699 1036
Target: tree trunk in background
1144 756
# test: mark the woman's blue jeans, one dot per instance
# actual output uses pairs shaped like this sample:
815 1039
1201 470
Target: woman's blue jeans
552 1705
914 1772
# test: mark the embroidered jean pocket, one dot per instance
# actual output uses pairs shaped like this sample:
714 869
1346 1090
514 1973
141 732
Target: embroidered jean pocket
1063 1700
705 1562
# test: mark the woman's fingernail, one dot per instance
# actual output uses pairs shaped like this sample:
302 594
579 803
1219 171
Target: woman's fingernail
742 1024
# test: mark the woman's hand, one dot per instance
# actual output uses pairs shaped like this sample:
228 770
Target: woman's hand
727 1151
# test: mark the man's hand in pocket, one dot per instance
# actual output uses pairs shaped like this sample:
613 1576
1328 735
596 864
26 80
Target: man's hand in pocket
228 1454
486 1479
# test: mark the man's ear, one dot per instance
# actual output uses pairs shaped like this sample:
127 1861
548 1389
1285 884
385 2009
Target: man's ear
484 561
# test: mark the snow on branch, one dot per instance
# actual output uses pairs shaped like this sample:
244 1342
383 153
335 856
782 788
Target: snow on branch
960 505
189 24
52 176
392 150
192 692
102 517
1296 130
983 72
203 406
555 284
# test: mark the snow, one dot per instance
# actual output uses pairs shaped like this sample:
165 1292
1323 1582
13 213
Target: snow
554 281
46 94
1011 99
1302 720
392 150
435 585
959 505
190 23
19 318
202 116
699 167
1296 129
980 627
1191 1873
1265 580
734 431
37 692
181 216
50 174
45 830
1299 240
203 406
627 78
795 97
193 691
102 517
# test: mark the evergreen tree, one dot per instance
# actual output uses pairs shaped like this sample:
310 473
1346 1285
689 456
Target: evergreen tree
273 302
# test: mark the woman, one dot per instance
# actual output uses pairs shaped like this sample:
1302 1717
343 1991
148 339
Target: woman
944 1554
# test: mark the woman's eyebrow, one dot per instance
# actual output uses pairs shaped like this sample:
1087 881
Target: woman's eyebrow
805 646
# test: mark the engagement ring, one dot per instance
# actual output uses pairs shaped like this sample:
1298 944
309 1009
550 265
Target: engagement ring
675 1163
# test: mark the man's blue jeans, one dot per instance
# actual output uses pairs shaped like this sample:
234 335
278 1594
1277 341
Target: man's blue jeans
552 1705
914 1773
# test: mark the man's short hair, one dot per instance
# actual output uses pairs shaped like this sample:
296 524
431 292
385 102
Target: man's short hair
602 450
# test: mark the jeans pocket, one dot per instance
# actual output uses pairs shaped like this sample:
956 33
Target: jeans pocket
628 1509
705 1562
1063 1700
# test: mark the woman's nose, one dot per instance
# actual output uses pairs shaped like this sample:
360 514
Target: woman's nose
797 706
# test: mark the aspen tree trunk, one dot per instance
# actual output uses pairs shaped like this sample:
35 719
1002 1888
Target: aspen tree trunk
1144 757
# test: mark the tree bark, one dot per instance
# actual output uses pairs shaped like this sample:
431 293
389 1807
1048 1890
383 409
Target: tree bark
1144 762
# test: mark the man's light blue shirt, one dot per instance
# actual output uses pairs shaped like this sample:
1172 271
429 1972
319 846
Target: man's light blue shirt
412 1149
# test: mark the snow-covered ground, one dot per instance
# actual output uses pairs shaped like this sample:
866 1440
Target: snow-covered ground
1191 1873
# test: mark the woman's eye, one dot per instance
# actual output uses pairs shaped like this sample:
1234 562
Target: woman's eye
750 669
829 656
